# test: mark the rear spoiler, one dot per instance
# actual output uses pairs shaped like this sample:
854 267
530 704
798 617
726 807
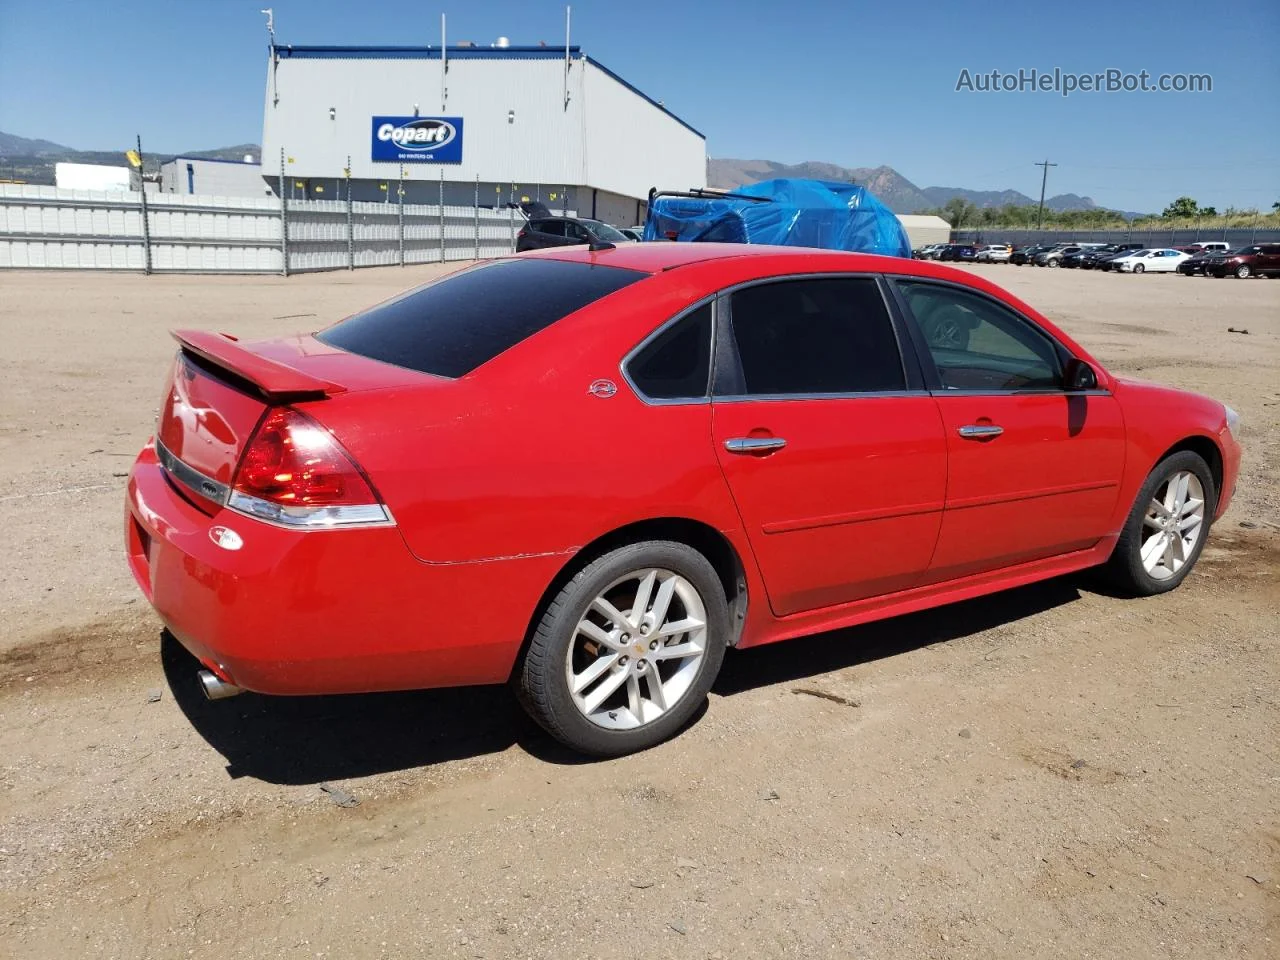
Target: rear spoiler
272 379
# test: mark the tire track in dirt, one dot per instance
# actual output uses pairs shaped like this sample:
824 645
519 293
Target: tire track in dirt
113 647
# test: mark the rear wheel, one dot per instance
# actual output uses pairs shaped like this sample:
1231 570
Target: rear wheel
628 649
1166 529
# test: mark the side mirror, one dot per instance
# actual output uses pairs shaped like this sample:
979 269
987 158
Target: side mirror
1080 376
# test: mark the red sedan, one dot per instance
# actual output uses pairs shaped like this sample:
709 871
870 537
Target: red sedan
589 472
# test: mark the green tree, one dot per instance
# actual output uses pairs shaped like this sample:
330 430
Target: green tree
1182 207
957 211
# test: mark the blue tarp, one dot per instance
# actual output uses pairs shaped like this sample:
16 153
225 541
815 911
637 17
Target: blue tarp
800 213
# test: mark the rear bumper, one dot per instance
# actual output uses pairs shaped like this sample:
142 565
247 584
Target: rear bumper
332 611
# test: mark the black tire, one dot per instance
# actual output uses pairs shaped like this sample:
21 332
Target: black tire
540 681
1124 569
1243 272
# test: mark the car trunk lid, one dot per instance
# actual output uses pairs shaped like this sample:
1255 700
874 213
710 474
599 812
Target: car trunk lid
219 389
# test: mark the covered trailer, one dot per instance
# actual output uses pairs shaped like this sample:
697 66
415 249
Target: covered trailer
793 213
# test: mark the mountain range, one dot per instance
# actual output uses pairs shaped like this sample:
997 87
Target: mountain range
893 189
32 160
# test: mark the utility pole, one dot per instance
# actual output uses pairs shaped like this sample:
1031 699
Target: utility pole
1043 180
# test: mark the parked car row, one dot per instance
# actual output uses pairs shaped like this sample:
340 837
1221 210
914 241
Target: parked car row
1208 258
961 252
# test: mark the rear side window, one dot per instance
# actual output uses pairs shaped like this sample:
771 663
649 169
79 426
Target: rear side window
676 364
451 326
816 336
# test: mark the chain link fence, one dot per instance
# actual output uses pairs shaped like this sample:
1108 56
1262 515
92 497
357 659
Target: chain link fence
48 227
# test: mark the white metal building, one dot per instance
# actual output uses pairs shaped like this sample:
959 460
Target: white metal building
92 176
503 123
223 178
925 229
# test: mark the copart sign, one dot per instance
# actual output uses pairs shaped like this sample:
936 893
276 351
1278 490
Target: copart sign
417 139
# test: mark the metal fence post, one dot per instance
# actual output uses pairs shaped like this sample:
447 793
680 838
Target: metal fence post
400 212
511 211
477 216
351 251
442 214
142 202
284 222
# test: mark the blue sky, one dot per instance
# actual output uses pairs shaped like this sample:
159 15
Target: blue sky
859 84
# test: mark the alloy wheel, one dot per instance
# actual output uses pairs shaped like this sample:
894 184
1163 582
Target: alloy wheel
636 651
1242 271
1172 525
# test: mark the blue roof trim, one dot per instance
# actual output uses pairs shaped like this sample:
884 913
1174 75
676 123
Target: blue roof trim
238 163
336 52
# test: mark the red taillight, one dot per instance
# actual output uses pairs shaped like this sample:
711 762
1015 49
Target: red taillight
293 471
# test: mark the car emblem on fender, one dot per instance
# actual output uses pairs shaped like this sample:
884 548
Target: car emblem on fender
602 388
225 538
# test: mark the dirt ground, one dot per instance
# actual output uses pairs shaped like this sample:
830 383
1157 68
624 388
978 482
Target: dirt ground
1050 772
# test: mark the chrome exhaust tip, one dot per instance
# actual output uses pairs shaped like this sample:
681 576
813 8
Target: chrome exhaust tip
215 688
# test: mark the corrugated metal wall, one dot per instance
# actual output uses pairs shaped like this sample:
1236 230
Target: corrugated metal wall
517 128
631 145
45 227
214 177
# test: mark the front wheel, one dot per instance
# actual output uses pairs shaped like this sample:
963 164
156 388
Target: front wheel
1138 268
1242 271
1167 527
626 652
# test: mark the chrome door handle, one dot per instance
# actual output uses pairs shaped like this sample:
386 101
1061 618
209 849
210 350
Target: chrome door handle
976 431
754 444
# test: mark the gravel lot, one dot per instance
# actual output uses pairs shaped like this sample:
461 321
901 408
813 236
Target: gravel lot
1049 772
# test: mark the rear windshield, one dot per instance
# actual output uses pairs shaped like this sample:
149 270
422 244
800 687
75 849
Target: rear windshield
604 231
450 327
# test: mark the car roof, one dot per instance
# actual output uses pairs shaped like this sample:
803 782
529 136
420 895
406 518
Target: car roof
660 256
